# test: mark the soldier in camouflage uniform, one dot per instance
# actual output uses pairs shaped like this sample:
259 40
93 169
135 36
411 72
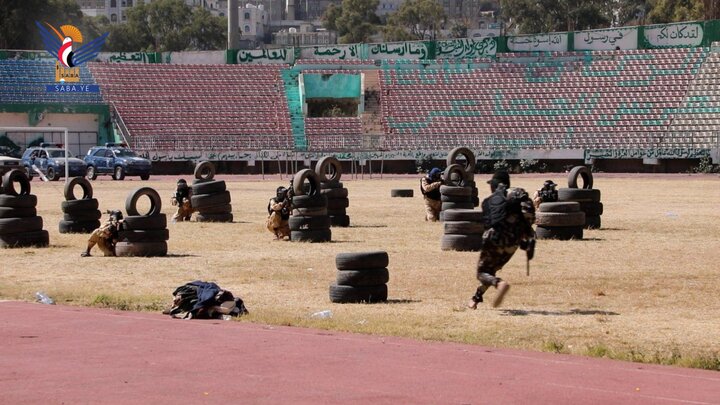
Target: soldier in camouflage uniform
509 214
279 214
105 236
547 193
181 199
430 189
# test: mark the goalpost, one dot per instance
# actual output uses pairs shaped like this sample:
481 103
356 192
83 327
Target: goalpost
46 129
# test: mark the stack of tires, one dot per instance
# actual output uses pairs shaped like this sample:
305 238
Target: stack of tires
79 216
146 234
309 221
469 166
463 229
559 220
587 196
361 277
329 171
19 224
454 194
210 197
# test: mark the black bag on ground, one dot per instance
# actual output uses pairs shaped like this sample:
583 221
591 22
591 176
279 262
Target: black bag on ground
202 300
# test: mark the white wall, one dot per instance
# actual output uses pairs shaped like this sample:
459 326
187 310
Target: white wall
77 143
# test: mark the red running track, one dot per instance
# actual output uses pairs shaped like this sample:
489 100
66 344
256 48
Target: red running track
57 354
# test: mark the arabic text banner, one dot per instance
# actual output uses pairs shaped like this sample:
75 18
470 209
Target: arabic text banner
400 50
670 35
552 42
466 48
606 40
342 52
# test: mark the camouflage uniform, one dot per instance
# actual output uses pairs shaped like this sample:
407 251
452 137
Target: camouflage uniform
277 222
431 195
501 240
547 193
103 238
181 198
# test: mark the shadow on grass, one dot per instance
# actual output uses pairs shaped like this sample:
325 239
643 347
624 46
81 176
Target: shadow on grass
344 241
609 229
171 255
402 301
590 239
574 311
368 226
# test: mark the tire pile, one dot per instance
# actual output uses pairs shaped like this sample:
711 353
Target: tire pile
588 197
559 220
469 167
309 221
19 224
454 194
463 230
79 216
361 277
143 235
329 171
210 197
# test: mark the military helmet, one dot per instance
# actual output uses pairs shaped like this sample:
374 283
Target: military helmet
500 176
182 183
281 193
116 215
549 183
434 173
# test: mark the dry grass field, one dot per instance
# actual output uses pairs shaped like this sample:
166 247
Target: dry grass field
643 288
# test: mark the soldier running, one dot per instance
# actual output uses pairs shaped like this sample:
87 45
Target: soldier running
509 215
181 199
430 189
279 214
105 237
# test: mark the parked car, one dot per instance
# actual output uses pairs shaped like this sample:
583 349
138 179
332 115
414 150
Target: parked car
49 159
8 163
116 160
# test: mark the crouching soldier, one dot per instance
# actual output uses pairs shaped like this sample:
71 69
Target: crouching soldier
106 236
279 214
181 199
547 193
430 189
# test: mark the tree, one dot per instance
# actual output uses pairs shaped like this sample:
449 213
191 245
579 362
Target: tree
207 32
534 16
421 19
355 20
632 12
666 11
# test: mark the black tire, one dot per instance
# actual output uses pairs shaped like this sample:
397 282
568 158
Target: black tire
78 226
342 221
51 174
309 201
337 213
328 164
25 239
463 227
401 193
202 217
583 172
342 294
93 215
463 215
20 225
10 212
217 209
331 193
199 181
118 173
328 185
84 183
200 201
463 243
455 198
458 191
141 222
361 260
209 187
142 249
91 173
592 208
204 171
338 203
321 235
561 233
18 201
592 222
475 201
560 219
578 194
301 223
149 235
456 205
310 212
361 278
570 206
12 177
470 160
79 206
299 182
453 172
132 199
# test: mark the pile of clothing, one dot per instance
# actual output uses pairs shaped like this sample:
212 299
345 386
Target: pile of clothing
202 300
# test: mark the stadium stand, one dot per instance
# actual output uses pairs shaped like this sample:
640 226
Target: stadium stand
23 82
198 107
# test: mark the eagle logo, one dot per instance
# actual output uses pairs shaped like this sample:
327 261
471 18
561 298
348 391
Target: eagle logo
65 44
